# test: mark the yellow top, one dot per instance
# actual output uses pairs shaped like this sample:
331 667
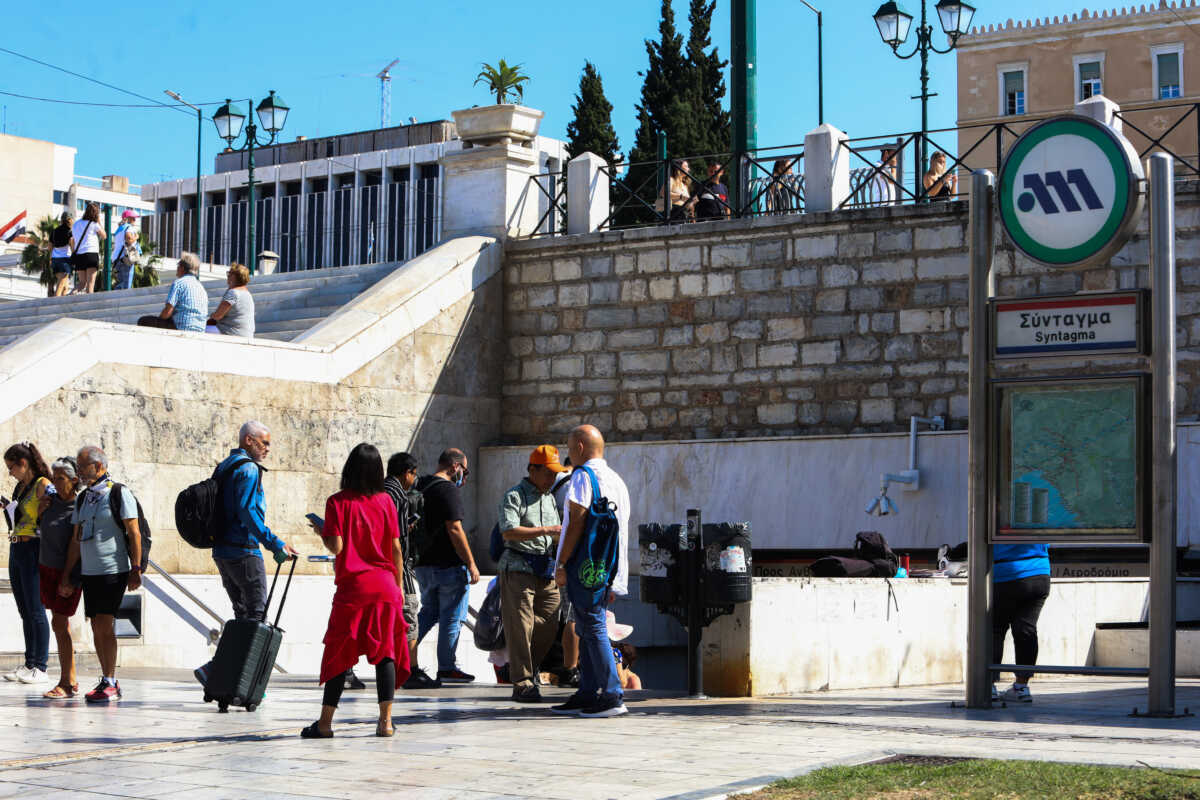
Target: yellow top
27 510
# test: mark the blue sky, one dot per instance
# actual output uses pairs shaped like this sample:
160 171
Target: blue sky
322 58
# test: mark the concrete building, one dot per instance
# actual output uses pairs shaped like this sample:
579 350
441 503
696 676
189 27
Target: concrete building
1144 59
358 198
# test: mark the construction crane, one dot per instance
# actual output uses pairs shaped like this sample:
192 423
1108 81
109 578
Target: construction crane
385 94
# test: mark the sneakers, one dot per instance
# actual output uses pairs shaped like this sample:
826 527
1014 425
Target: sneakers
11 675
104 692
1017 694
995 694
353 681
569 677
419 679
574 706
608 705
454 676
32 675
526 694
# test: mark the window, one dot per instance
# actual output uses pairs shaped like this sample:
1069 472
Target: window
1014 92
1089 75
1168 71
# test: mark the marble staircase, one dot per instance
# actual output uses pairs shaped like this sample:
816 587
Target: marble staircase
286 304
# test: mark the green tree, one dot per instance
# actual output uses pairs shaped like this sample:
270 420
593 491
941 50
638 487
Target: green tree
35 258
707 90
591 131
503 81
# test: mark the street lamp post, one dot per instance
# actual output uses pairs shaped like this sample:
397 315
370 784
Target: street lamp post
272 113
199 192
820 67
894 23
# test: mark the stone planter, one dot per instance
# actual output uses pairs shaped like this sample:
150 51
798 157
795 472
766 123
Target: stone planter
502 124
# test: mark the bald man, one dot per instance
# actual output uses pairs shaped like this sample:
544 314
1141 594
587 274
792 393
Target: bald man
600 693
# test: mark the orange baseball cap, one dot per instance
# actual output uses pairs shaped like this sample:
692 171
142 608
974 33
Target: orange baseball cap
547 456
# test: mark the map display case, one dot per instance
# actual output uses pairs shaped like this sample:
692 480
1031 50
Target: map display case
1071 460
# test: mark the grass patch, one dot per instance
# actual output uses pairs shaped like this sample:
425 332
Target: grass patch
984 780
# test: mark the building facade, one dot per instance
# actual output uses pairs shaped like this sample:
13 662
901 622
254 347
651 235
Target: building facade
1144 59
358 198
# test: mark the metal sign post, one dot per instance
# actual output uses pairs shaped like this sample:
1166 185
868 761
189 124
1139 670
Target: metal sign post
1070 194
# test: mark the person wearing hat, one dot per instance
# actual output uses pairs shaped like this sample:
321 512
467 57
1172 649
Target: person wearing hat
530 524
126 250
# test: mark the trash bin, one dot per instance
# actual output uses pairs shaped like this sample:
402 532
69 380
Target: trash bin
267 262
660 579
727 563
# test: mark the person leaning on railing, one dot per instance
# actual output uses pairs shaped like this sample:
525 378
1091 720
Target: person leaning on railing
678 194
940 184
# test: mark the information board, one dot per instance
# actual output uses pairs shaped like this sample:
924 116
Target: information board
1070 460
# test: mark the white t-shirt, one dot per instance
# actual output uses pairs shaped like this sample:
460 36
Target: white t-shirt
883 186
612 487
89 243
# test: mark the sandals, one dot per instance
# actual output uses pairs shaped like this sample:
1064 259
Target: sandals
61 692
314 732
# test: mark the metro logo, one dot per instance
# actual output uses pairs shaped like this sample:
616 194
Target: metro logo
1039 194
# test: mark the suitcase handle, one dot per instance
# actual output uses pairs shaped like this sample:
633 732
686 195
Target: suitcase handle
286 586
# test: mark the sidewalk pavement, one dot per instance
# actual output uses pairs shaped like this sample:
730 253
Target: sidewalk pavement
474 743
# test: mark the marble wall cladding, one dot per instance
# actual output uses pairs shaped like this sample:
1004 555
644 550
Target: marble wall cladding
842 322
164 429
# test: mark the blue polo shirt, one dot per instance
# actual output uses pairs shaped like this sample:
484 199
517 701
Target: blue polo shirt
1011 562
190 302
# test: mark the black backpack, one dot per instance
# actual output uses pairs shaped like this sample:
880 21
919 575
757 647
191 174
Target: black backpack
412 541
489 625
871 546
114 508
199 515
423 535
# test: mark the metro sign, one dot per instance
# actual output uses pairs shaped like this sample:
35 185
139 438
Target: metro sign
1070 192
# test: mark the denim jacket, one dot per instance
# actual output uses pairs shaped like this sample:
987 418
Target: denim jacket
242 503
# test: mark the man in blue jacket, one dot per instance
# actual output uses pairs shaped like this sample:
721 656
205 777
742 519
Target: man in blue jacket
237 555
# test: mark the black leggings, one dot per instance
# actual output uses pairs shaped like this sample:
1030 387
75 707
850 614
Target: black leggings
1018 604
385 684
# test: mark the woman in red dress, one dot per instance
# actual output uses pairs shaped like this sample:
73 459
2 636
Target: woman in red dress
367 619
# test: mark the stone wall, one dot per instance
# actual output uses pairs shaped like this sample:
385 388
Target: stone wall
839 322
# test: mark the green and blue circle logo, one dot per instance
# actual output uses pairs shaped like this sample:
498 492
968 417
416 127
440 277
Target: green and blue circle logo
1070 192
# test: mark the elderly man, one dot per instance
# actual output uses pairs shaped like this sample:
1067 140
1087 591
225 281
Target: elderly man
186 308
530 525
126 250
600 693
237 555
108 542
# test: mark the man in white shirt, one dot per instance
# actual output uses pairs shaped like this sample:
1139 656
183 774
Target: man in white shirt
600 693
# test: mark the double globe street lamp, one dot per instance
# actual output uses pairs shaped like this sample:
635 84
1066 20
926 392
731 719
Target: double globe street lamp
894 24
229 118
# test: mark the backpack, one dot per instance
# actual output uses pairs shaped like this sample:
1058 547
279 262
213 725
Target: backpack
422 538
489 626
594 563
416 510
199 515
871 546
114 508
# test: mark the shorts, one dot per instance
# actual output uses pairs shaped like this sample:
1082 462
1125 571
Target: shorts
412 604
49 578
83 261
102 594
60 266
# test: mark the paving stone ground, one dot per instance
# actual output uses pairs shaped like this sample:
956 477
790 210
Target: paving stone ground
474 743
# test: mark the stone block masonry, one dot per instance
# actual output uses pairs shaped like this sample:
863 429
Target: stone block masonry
840 322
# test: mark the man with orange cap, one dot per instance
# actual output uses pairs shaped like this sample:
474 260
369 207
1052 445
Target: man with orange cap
529 522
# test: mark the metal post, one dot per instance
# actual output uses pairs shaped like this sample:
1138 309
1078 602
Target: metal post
107 282
695 603
743 95
820 74
979 552
663 175
199 190
251 255
1162 542
924 40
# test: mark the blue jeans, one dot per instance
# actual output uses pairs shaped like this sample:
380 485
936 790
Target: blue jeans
23 576
444 599
123 278
597 666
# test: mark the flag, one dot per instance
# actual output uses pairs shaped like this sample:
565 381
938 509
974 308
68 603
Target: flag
14 228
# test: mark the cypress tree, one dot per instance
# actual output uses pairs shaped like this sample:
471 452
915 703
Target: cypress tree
592 130
707 89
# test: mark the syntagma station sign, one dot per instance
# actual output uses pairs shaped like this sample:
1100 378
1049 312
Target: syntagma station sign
1070 192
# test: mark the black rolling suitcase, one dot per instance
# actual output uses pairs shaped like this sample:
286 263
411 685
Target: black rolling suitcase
246 655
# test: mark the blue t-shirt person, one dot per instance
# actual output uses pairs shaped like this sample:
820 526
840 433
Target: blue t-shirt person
1011 562
190 301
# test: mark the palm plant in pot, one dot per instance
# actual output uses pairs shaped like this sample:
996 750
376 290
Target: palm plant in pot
506 122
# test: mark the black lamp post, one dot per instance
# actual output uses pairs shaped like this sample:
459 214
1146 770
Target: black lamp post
272 113
894 23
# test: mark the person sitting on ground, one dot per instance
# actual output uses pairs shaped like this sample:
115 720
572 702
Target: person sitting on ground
367 619
1020 586
187 302
55 523
940 184
85 253
109 551
27 466
235 315
626 655
60 255
126 250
